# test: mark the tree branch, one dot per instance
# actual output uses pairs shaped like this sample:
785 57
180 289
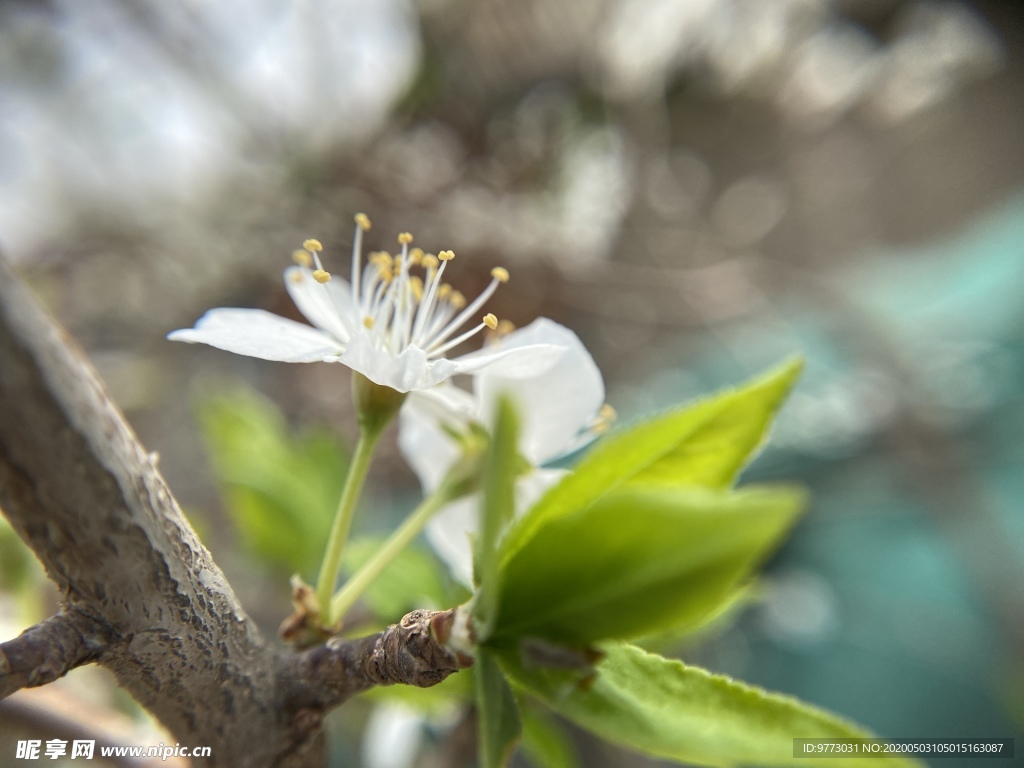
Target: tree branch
47 651
141 595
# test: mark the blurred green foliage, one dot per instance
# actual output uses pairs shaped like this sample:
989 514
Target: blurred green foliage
280 488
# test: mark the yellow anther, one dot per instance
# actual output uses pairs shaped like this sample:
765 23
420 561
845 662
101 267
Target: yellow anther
295 277
444 291
302 258
362 221
405 238
416 255
380 259
491 321
500 274
312 245
505 327
321 276
446 255
416 286
429 261
457 300
607 413
386 273
601 427
368 321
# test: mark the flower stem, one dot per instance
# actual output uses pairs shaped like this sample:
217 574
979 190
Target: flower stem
331 565
390 549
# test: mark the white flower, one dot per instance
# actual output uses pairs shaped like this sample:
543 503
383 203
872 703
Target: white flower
560 409
389 324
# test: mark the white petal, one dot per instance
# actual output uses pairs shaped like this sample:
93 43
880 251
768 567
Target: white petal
257 333
408 371
392 737
328 306
430 452
514 362
449 534
556 405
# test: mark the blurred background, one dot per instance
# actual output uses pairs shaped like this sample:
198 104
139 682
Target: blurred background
698 188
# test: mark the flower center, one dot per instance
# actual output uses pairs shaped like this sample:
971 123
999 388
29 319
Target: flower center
401 301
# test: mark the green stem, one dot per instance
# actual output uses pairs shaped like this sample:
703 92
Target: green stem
389 550
357 469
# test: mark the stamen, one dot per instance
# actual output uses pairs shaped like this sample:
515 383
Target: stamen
368 322
607 413
302 258
444 291
491 321
321 276
457 300
296 277
435 351
429 261
416 255
363 222
500 274
446 255
312 245
405 238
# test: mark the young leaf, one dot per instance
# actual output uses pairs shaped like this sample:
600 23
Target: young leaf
703 444
498 725
670 710
638 561
499 477
545 742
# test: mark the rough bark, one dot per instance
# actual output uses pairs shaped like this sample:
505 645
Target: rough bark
141 595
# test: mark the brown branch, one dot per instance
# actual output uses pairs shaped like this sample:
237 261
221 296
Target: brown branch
141 595
49 650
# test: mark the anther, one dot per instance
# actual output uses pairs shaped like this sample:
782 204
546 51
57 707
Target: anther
444 291
321 276
500 274
362 221
368 321
416 255
457 300
505 327
312 245
302 258
429 261
491 321
405 238
446 255
296 276
607 413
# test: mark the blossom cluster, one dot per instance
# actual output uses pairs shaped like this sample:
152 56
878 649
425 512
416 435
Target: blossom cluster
395 321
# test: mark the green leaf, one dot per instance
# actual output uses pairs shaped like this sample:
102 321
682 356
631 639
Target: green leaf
704 444
498 725
545 742
668 709
280 489
499 477
415 578
638 561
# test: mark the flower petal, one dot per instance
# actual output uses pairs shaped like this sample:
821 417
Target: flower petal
408 371
429 451
514 362
329 306
554 406
257 333
450 532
